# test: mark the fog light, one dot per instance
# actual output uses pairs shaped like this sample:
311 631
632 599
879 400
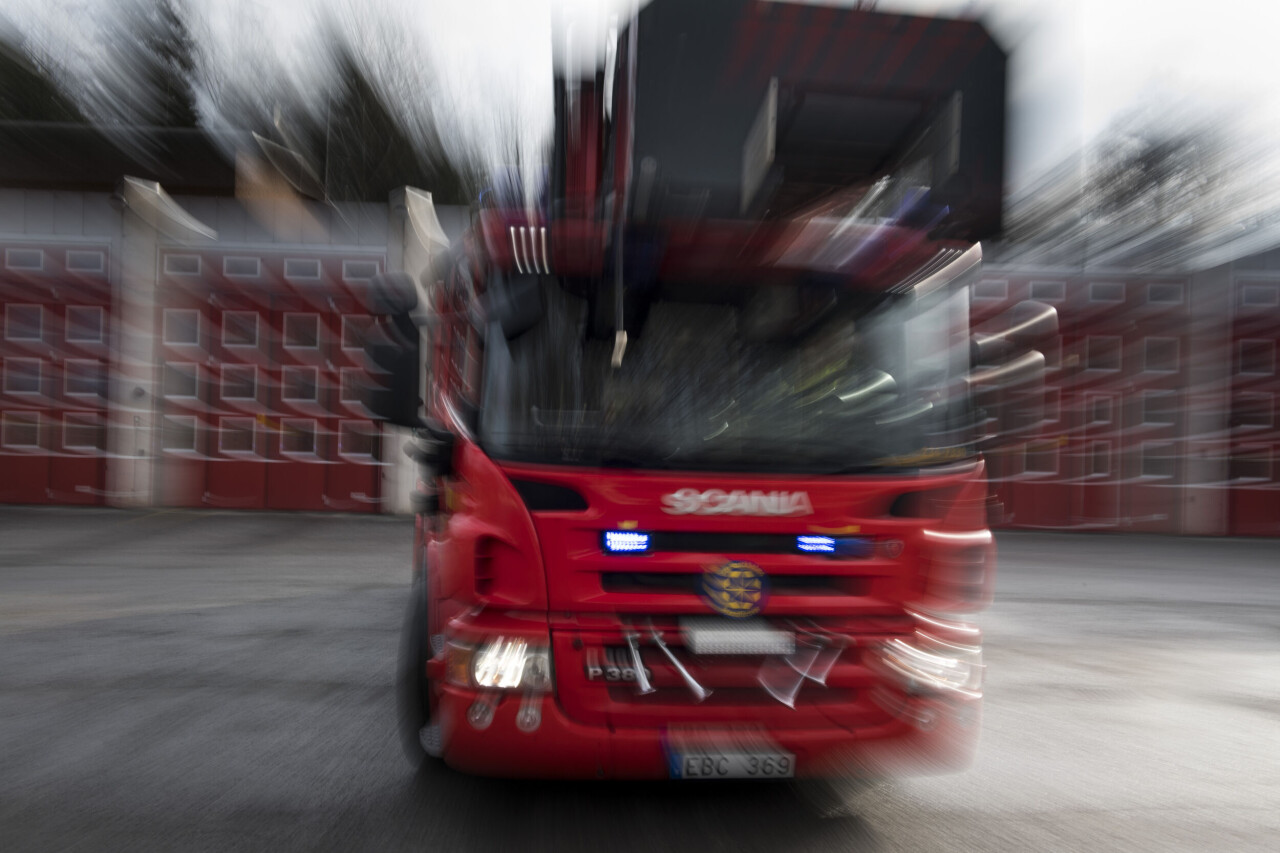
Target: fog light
529 717
480 714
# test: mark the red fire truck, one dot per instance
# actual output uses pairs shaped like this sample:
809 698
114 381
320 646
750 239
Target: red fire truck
701 494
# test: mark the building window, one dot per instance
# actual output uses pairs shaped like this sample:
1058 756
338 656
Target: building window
23 322
181 326
1260 295
1160 355
1049 291
83 431
991 290
24 259
359 270
1102 352
1158 459
1159 407
1052 404
301 331
1257 357
1250 462
182 265
1164 293
299 384
352 385
181 380
298 436
22 376
237 435
1100 410
20 429
239 328
239 382
178 433
85 261
306 269
241 267
353 331
1100 459
83 377
1252 410
357 438
1041 457
1106 291
85 324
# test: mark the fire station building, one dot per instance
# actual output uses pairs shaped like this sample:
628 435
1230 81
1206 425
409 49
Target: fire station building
201 350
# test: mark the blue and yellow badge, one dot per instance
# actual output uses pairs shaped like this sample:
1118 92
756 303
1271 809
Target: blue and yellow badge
736 589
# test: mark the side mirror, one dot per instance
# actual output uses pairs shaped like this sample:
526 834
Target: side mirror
515 303
393 359
432 447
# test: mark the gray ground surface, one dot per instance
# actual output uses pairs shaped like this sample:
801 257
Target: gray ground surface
218 681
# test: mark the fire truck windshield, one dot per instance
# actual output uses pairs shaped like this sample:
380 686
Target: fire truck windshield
766 379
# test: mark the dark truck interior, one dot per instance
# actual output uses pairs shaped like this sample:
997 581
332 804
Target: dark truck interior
759 110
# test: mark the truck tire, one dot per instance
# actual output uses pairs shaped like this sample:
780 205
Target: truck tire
413 688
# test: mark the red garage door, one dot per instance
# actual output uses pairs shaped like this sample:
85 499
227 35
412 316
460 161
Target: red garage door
56 306
259 402
1252 469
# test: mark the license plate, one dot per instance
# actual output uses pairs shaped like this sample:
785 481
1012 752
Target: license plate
733 754
716 635
732 765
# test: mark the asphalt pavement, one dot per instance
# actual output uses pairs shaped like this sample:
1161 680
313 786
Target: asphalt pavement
223 681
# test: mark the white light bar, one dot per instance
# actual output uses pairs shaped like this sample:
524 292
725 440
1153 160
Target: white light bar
715 635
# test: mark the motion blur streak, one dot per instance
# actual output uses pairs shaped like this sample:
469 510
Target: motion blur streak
697 354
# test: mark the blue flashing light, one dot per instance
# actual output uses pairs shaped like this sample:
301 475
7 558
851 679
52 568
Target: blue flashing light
816 544
625 541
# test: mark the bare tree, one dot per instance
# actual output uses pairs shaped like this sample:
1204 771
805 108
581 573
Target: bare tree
29 89
1154 172
146 74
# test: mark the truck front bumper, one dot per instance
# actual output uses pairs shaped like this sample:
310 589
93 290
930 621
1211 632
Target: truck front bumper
919 734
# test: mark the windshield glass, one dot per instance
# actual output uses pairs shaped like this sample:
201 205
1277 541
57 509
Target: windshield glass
765 379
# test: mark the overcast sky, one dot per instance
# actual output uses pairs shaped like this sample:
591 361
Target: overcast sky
1075 64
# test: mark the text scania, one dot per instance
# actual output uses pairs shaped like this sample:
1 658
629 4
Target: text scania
736 502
